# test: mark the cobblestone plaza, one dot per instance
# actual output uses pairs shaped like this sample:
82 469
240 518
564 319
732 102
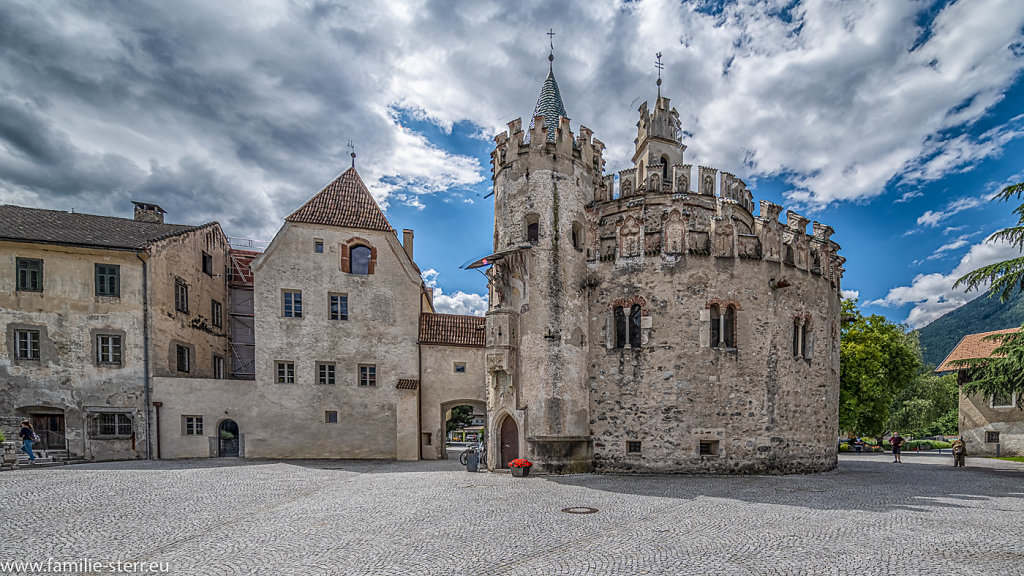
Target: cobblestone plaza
229 516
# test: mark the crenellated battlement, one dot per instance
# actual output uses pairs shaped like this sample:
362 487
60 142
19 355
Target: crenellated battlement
512 144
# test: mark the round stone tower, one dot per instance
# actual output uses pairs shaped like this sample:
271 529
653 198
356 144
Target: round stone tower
538 393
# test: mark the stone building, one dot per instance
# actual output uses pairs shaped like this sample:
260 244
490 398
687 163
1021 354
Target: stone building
350 360
653 322
87 303
990 424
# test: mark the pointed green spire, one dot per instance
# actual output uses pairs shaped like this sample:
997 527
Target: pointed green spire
549 103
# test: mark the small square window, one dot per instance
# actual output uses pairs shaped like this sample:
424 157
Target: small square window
708 448
367 375
460 367
108 280
218 367
26 344
325 373
207 264
180 295
286 373
292 304
633 447
331 417
318 246
339 306
992 437
113 424
216 314
192 425
108 349
184 358
1002 400
30 274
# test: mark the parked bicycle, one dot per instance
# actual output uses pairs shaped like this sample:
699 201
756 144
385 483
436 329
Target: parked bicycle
480 449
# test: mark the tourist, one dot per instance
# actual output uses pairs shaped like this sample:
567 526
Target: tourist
959 451
28 435
896 441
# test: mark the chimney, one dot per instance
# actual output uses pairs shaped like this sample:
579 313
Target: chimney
407 242
430 296
145 212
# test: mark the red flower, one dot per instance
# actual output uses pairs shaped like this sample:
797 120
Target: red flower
520 463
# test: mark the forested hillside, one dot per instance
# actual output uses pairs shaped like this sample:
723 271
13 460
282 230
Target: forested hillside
982 314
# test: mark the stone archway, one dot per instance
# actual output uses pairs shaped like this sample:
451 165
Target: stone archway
508 441
227 439
439 439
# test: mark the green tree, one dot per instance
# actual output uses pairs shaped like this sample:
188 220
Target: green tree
927 406
1003 371
878 360
461 417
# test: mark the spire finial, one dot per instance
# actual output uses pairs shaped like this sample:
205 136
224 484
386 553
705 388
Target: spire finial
352 152
659 66
551 55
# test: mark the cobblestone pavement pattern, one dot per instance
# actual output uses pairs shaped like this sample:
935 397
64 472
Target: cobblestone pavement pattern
870 516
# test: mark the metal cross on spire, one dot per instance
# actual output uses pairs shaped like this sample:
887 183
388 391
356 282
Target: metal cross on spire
551 40
352 152
659 66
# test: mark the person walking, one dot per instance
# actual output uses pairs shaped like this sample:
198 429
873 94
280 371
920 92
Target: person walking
959 451
28 436
896 441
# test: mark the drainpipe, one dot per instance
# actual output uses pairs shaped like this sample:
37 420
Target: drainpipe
157 405
419 386
145 344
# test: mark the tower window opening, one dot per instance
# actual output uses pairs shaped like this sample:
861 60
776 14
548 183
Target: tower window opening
634 326
729 327
621 333
532 228
716 326
664 168
577 236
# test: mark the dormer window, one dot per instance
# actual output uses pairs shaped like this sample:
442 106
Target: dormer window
358 256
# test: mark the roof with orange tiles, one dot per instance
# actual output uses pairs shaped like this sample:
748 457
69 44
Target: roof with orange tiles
407 384
452 330
972 346
345 202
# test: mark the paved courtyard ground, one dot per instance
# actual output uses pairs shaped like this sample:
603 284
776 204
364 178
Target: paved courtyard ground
225 516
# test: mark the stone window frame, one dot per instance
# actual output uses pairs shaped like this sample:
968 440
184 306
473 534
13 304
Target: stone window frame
291 303
992 436
114 358
318 245
121 421
1012 401
191 425
216 313
183 358
28 274
367 375
577 235
330 416
285 372
634 446
326 373
337 310
219 367
346 255
458 367
207 261
803 337
628 331
180 295
723 324
107 280
709 448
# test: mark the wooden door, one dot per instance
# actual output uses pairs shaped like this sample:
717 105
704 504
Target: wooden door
509 441
45 423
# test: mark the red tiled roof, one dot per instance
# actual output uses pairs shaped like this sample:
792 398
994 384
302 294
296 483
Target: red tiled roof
406 384
344 202
972 346
452 330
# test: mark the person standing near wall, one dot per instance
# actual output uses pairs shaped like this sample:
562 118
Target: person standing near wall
959 451
28 436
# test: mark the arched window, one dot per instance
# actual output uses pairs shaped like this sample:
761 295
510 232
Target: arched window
797 338
620 327
729 327
634 326
805 340
532 228
716 326
664 168
360 260
577 236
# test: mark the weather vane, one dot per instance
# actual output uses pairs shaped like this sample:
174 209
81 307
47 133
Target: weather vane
551 40
659 66
352 152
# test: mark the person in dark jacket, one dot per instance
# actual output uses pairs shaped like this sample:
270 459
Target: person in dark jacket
27 435
897 443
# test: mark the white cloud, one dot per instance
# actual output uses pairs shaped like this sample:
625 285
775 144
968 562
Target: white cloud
458 303
851 294
933 219
933 295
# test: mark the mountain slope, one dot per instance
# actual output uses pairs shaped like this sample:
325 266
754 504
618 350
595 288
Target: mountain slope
982 314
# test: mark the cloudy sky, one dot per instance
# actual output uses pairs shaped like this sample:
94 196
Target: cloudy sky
894 121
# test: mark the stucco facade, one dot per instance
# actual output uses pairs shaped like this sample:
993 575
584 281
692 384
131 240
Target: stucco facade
992 425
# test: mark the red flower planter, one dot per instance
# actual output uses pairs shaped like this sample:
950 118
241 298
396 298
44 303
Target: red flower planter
520 471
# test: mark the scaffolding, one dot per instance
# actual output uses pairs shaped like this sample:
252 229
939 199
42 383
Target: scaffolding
241 311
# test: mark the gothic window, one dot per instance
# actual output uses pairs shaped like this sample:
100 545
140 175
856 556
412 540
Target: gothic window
360 260
723 326
532 228
805 340
797 342
729 327
577 236
621 334
664 168
716 325
634 326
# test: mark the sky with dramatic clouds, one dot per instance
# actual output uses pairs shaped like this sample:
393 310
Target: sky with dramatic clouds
893 121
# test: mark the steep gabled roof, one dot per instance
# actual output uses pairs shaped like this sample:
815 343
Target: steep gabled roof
453 330
972 346
549 105
345 202
22 224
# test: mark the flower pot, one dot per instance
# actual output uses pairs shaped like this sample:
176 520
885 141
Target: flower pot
520 471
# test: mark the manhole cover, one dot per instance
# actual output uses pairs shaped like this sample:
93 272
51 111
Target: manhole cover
579 510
